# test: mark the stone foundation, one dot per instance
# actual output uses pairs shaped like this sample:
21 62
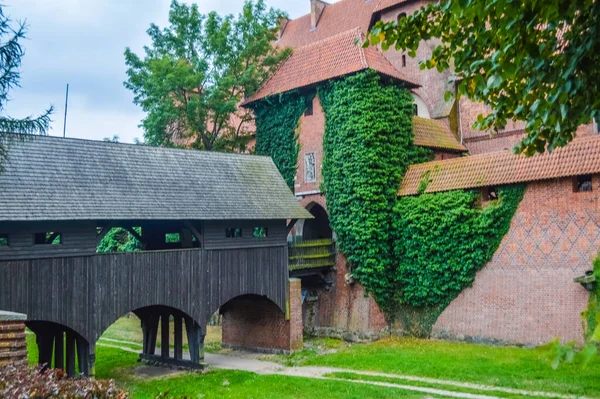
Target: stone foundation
13 346
255 323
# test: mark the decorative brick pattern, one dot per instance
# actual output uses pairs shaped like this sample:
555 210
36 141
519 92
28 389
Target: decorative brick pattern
13 346
257 324
526 292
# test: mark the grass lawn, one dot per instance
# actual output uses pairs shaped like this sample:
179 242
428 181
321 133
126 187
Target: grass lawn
527 369
500 366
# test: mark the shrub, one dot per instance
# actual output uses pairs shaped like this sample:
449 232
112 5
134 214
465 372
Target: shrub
36 383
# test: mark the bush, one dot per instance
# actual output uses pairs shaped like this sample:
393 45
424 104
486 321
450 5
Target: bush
36 383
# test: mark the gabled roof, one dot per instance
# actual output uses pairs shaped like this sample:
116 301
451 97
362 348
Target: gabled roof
330 58
435 134
336 18
581 156
50 178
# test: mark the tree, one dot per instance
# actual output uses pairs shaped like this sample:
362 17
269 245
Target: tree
532 60
198 70
11 54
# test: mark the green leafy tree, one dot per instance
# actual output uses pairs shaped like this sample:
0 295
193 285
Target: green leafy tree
534 61
11 54
198 70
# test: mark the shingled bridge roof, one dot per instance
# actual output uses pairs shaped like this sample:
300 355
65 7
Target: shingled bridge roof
330 58
50 178
581 156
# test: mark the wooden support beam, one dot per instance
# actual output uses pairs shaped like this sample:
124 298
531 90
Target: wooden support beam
136 235
290 225
193 229
70 354
83 354
164 334
195 340
45 341
104 232
178 333
152 334
59 350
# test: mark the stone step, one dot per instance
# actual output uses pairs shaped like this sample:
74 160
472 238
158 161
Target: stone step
7 346
15 363
19 354
11 336
11 327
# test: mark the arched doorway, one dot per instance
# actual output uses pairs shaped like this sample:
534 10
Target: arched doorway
317 228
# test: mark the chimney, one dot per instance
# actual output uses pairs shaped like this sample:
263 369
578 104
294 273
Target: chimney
283 21
316 9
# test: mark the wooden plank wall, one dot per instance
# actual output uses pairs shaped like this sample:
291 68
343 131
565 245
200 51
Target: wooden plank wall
78 238
214 234
89 293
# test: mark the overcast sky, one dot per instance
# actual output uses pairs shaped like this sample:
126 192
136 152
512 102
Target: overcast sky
81 42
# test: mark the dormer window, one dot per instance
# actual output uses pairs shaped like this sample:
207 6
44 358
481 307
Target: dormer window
489 193
582 184
309 109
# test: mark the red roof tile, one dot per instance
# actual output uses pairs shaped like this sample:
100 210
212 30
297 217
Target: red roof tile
581 156
435 134
336 18
330 58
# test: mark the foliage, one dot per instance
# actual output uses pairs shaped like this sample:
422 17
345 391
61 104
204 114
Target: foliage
417 251
277 119
11 55
534 61
119 240
368 129
444 238
198 70
54 384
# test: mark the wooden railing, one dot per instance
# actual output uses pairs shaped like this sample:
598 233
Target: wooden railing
311 254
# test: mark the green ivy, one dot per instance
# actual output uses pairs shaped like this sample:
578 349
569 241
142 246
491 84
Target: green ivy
368 129
276 120
443 239
592 314
119 240
413 254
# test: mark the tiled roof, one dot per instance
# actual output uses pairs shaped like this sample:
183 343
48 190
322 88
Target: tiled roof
581 156
434 134
336 18
330 58
50 178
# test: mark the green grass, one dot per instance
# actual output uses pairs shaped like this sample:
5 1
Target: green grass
119 365
509 367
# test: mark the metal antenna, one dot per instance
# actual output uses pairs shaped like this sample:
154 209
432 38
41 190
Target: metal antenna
66 106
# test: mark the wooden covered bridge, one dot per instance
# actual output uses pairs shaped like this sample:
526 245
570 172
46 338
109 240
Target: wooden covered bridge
230 215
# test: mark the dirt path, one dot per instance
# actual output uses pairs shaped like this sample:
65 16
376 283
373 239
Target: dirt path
270 368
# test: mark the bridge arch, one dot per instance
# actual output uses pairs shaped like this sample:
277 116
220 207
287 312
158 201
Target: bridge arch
317 228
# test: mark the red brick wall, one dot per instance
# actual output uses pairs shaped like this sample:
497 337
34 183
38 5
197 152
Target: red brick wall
255 323
13 347
526 292
434 84
311 140
343 310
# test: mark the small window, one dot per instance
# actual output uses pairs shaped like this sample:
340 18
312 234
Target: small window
309 109
47 238
4 240
415 110
403 60
489 193
310 168
400 16
582 183
233 232
597 125
260 232
172 238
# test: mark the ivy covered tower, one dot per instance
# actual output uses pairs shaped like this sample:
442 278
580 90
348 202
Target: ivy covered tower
446 231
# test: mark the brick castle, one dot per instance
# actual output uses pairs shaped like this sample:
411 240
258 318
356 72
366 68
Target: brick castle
526 293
